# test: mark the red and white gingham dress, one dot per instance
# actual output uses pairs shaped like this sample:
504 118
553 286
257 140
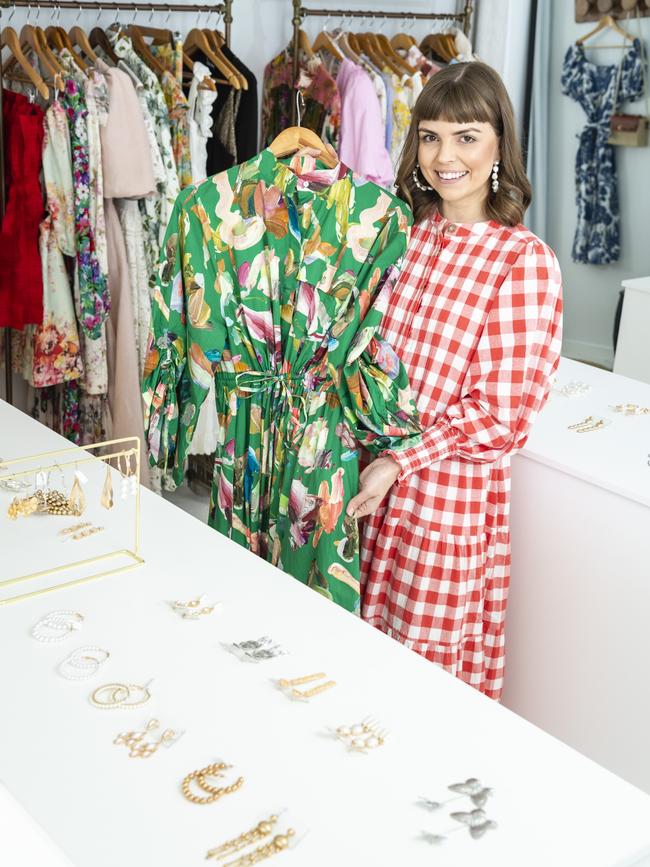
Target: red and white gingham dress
476 319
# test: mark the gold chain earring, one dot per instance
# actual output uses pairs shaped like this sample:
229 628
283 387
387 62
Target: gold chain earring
263 829
106 498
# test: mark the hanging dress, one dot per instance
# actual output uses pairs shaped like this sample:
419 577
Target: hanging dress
21 279
52 352
475 317
274 280
599 90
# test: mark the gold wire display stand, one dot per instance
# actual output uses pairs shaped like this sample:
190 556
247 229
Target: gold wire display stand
128 448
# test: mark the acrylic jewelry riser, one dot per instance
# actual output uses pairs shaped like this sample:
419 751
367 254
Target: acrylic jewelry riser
577 651
58 759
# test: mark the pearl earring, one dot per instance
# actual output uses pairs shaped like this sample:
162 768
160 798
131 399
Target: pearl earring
495 176
418 183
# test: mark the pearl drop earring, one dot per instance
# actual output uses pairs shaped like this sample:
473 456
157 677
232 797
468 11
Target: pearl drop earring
418 183
495 176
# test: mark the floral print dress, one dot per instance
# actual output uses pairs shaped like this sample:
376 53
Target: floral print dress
178 106
274 279
600 90
51 350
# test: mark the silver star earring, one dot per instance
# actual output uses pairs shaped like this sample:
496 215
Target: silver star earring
418 183
495 176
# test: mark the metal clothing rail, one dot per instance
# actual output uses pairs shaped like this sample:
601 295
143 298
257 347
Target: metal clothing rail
224 9
301 12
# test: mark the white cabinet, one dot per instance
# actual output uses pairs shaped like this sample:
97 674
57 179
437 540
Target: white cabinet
633 345
577 650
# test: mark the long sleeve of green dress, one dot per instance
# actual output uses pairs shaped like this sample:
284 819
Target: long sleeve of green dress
273 281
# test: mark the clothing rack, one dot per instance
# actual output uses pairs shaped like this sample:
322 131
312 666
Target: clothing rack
224 9
301 12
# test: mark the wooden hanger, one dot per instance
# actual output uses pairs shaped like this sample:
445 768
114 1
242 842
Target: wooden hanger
196 41
99 39
304 44
143 50
78 37
324 42
215 45
606 22
58 39
403 41
9 38
389 51
296 137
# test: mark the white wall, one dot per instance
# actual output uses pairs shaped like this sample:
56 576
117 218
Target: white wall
591 291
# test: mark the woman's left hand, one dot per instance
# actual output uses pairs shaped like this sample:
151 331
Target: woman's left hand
374 483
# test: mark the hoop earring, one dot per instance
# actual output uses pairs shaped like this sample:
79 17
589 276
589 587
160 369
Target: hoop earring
495 176
424 187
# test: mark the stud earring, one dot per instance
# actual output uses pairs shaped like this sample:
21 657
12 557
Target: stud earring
106 498
418 183
495 176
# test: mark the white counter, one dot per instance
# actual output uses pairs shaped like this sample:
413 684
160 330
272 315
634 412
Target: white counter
102 809
577 652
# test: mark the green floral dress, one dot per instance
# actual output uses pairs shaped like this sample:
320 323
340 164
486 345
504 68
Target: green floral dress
273 282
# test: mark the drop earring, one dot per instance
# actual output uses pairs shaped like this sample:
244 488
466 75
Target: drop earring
106 498
495 176
77 498
418 183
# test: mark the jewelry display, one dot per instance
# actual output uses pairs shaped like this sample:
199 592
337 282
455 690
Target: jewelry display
57 626
113 695
139 748
75 528
278 844
106 498
213 792
308 678
362 736
575 388
471 788
191 611
476 822
631 409
83 663
262 829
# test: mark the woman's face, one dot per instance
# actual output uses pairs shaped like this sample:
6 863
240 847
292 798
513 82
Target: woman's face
456 159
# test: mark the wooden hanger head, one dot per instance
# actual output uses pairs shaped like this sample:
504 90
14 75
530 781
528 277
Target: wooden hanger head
9 38
99 39
296 137
606 22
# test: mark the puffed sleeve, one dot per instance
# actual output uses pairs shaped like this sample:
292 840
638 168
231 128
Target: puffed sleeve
184 339
372 381
509 377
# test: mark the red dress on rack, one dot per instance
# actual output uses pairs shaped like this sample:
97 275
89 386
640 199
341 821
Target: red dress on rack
21 277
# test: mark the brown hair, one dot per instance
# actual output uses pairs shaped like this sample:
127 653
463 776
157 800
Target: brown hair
465 93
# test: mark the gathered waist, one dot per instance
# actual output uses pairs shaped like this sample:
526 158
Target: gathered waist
253 381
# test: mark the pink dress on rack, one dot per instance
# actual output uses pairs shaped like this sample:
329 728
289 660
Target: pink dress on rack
362 136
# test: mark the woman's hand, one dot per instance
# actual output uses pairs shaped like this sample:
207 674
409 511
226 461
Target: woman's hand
374 483
313 152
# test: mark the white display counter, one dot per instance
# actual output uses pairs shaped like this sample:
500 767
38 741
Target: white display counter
103 809
577 650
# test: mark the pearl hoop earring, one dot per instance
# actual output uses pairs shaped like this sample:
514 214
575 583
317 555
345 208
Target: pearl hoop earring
418 183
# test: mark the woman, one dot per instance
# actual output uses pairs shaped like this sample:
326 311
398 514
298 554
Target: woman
475 317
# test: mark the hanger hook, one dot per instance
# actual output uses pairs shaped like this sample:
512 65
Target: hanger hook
169 15
135 14
76 21
327 21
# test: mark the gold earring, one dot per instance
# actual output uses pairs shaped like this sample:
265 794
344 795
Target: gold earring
215 793
263 829
106 498
278 844
77 498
